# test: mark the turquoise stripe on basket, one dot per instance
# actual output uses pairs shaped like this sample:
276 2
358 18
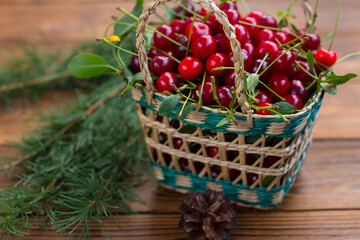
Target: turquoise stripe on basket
262 198
260 125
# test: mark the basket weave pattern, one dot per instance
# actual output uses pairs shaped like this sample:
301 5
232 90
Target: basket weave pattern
260 136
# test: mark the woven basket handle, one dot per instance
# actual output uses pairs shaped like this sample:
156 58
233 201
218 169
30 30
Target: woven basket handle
229 31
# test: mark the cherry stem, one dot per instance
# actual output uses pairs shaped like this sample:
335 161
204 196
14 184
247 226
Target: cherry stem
271 109
150 27
308 73
336 24
177 90
166 54
262 62
347 56
222 68
311 84
130 25
165 21
201 90
191 29
183 106
216 97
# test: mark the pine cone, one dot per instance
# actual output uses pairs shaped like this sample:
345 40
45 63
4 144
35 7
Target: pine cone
207 216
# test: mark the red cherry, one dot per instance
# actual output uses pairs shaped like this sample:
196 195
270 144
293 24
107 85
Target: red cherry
255 14
164 82
267 20
216 60
179 51
178 26
249 47
267 47
264 111
241 34
297 87
283 37
230 78
190 68
178 142
160 41
251 29
134 64
250 159
279 84
207 95
270 160
251 178
255 65
209 75
186 13
160 64
190 20
215 171
294 100
225 95
246 57
233 16
312 40
284 63
328 58
264 35
152 52
212 151
222 43
198 29
203 46
233 174
214 25
299 73
263 97
228 5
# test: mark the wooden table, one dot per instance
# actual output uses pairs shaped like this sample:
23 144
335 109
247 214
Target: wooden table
324 203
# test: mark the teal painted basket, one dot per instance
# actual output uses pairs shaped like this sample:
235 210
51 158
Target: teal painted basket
256 160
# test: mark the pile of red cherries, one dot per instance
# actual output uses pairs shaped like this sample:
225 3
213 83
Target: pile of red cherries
210 49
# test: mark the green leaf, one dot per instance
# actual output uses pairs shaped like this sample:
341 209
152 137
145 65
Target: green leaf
252 82
224 121
285 108
87 65
310 59
122 30
187 129
169 104
187 109
138 77
338 79
329 88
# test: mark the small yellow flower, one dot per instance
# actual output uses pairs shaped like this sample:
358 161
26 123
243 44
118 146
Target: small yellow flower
114 38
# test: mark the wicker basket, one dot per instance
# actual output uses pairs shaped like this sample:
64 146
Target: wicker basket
266 137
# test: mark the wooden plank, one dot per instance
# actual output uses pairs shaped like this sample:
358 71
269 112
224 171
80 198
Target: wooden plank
251 225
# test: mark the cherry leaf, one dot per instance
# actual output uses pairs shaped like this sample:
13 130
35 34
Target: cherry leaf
285 108
87 65
224 121
169 104
338 79
252 82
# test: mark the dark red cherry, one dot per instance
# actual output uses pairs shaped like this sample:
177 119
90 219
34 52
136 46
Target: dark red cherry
228 5
160 41
178 142
241 34
270 161
198 166
190 68
299 74
160 64
190 20
134 64
251 178
283 37
249 47
233 174
267 47
264 35
263 97
297 87
251 29
264 74
216 60
225 95
294 100
284 63
214 25
152 52
164 82
255 14
183 163
312 42
198 30
250 159
233 16
230 78
215 171
246 57
179 51
222 43
186 13
264 111
279 84
212 151
178 26
209 75
203 46
328 58
207 95
267 20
